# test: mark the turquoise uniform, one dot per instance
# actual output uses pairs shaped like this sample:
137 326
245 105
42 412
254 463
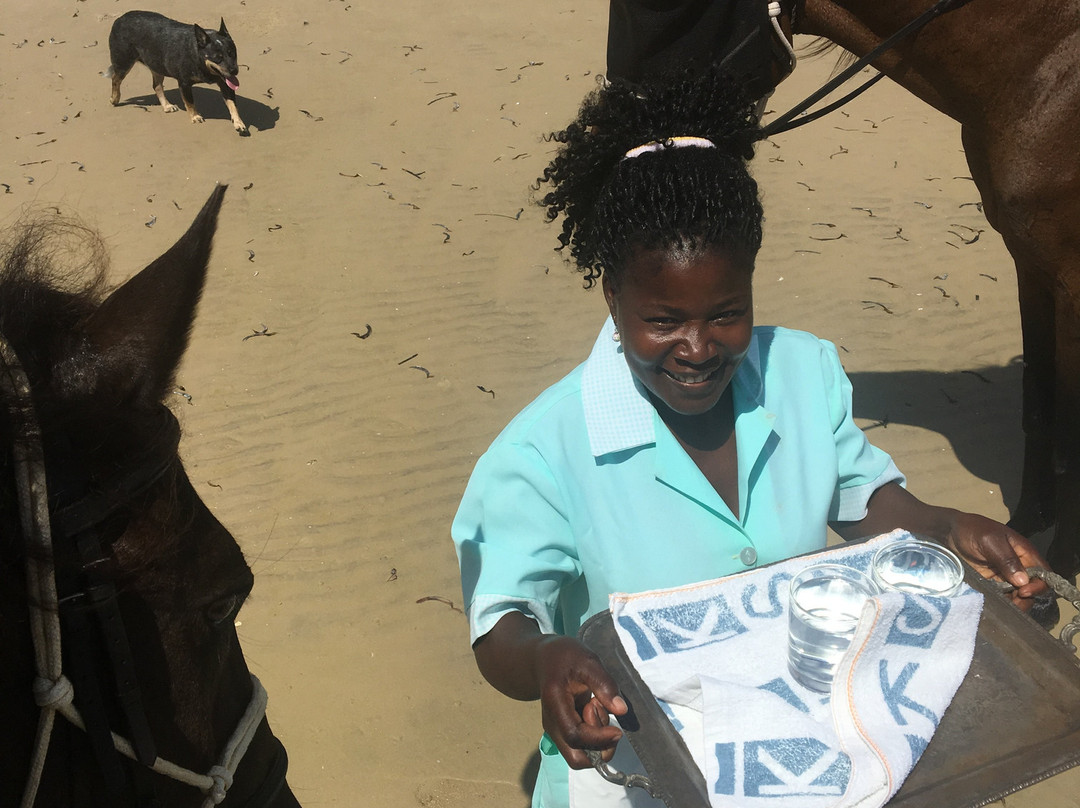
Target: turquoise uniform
587 492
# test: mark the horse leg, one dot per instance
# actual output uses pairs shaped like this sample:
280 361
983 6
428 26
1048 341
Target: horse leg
1064 552
1035 510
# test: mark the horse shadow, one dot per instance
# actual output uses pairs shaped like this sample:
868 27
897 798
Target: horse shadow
211 106
978 411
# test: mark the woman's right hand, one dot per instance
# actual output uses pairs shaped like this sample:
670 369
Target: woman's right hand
576 695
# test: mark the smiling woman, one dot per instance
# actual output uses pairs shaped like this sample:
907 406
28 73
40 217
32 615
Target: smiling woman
685 319
690 445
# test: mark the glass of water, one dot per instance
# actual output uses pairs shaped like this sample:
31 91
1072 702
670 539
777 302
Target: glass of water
824 604
917 567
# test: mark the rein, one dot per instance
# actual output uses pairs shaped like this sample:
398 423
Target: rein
787 122
53 690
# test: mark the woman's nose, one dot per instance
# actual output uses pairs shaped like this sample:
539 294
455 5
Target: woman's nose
697 345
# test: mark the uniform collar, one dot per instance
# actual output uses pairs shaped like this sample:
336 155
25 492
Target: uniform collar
618 413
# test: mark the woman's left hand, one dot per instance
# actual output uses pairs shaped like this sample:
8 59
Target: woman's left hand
997 551
993 549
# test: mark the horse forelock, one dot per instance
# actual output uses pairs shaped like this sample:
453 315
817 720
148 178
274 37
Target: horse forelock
53 277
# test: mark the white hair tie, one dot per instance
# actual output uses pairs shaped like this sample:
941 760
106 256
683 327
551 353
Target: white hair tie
669 143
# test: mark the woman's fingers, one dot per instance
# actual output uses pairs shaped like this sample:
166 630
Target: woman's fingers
577 695
996 550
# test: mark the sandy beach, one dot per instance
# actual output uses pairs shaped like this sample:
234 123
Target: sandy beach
384 192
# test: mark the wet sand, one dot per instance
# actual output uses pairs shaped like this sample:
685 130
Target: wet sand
385 185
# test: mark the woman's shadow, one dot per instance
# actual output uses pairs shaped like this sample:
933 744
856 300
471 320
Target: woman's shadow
978 411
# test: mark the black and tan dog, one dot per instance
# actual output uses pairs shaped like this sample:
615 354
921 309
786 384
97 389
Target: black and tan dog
190 54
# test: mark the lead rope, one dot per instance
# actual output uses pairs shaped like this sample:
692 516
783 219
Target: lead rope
53 691
214 784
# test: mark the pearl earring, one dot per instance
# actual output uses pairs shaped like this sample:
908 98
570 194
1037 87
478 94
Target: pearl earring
615 336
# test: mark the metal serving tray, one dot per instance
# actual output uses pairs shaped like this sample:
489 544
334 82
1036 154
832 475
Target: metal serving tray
1015 720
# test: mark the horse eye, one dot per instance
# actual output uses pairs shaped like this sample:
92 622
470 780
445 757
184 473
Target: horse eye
224 609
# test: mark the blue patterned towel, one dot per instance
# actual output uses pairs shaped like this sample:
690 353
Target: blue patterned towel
718 650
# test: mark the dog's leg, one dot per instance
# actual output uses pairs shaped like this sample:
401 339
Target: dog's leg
189 103
159 91
238 124
117 76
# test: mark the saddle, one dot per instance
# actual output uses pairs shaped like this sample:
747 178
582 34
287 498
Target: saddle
649 37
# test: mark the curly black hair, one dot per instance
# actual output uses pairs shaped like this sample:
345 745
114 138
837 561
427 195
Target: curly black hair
687 197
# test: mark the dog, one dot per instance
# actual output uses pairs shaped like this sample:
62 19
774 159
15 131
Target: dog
190 54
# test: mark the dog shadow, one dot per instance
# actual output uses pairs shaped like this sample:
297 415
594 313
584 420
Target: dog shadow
978 411
210 104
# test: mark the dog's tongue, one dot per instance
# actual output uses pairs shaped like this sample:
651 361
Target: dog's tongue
233 82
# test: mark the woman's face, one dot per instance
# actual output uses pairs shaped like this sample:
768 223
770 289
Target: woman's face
685 319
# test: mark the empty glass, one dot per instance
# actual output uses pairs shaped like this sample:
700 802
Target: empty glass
917 567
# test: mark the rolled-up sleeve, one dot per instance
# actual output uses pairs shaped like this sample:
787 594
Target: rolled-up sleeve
513 539
862 467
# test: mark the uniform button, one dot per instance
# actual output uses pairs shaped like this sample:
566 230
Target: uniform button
748 556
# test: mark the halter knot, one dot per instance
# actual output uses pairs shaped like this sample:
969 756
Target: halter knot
52 695
223 780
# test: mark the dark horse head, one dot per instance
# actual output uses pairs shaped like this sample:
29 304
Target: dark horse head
118 588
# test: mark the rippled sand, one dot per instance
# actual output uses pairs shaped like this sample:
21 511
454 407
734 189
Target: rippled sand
386 184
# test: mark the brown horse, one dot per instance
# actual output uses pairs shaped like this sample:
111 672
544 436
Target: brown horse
118 588
1009 73
1019 111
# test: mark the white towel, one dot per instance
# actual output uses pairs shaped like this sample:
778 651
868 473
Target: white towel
720 648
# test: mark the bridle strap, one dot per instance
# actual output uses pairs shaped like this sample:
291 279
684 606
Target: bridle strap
787 122
83 648
101 595
84 513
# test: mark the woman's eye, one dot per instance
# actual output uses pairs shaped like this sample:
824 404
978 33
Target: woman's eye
224 609
727 315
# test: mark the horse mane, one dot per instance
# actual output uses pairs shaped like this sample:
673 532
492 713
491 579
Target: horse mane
52 277
819 46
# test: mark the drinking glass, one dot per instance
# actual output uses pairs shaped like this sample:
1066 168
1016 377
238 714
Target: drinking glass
825 601
918 567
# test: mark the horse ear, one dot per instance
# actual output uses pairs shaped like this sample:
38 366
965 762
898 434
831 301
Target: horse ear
223 30
140 331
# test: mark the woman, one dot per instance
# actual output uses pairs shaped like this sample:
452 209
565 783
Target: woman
690 445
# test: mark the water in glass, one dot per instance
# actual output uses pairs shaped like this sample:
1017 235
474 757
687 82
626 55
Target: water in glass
824 607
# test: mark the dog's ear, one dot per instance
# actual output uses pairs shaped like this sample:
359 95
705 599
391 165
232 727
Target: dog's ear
200 36
223 30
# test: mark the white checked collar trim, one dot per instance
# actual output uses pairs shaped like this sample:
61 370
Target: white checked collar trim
618 413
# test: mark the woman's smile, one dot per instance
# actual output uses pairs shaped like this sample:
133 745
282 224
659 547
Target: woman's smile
692 379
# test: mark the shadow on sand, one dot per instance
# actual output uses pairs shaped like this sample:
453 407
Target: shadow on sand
978 411
211 106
